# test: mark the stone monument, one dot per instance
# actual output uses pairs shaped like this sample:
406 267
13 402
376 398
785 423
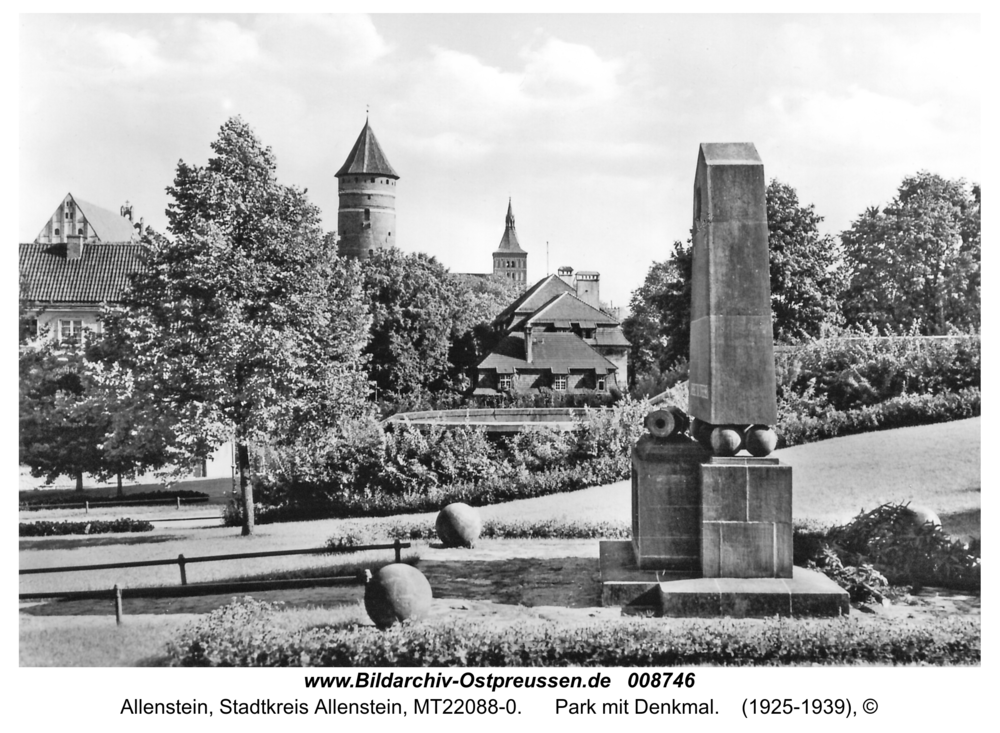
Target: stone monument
715 527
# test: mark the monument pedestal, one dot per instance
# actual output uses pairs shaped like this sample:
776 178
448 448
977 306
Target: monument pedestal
669 593
666 503
746 518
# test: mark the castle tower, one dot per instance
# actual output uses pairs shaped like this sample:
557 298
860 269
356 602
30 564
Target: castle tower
509 260
366 218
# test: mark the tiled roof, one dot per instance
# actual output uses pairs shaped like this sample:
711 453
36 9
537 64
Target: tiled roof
101 274
535 297
107 225
558 351
610 337
567 308
367 157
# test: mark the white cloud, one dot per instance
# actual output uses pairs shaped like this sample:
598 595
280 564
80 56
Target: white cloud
561 71
222 44
329 43
126 54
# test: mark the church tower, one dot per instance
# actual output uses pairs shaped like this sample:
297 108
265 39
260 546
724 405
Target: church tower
509 260
366 218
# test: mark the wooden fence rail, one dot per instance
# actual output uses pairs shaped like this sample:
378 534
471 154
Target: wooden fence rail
86 505
200 589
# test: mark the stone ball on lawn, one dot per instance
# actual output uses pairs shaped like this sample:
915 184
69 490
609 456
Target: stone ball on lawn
397 593
458 525
921 515
726 441
761 440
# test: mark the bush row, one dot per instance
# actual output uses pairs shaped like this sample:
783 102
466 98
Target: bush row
362 469
493 529
29 500
805 420
51 529
859 368
245 634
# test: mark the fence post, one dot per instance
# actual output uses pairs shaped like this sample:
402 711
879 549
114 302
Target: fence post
399 555
181 562
118 605
86 507
178 503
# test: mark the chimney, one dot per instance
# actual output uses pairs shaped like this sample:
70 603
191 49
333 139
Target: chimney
588 288
74 246
566 274
527 344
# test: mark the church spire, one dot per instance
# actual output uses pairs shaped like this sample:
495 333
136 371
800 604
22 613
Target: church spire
510 214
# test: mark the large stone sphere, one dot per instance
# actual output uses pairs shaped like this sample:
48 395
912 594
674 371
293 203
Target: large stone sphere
702 432
761 440
921 515
396 593
726 441
458 525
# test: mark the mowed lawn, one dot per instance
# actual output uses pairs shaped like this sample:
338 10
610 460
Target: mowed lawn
933 465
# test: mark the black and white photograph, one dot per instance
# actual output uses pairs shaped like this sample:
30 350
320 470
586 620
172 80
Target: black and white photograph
521 367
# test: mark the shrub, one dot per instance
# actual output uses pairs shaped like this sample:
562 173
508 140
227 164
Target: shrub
51 529
247 633
886 541
492 529
808 418
858 367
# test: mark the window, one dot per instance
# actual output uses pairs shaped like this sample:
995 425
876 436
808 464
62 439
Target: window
506 381
368 214
559 382
602 384
57 231
70 331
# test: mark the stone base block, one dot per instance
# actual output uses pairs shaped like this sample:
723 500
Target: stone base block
806 593
666 503
746 518
676 594
625 584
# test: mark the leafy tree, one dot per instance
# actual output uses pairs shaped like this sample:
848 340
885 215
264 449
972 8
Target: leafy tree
55 437
659 321
429 326
67 415
805 267
243 325
916 263
805 279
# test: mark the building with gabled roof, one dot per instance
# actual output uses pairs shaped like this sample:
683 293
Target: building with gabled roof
554 341
366 215
75 217
64 286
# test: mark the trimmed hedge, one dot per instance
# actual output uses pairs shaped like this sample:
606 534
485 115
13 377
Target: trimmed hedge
52 529
245 634
808 421
493 529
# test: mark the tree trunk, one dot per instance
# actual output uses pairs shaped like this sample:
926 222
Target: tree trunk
121 491
246 488
79 480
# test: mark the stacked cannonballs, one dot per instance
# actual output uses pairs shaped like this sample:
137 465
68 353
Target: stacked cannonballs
722 440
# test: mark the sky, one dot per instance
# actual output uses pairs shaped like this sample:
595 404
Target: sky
590 124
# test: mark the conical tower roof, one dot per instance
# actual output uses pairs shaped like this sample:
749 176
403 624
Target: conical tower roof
366 157
509 243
